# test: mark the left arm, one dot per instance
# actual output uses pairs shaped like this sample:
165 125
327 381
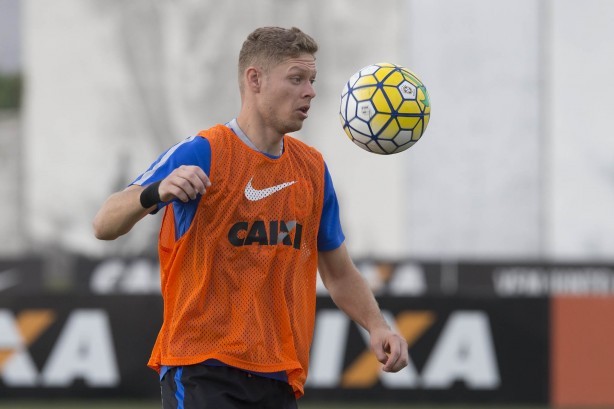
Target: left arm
351 293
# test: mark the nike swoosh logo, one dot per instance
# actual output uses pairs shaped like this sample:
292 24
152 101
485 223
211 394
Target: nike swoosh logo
259 194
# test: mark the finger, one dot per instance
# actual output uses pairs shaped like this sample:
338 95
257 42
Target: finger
399 364
398 357
186 170
184 183
393 356
403 360
202 176
186 186
168 190
380 354
197 177
178 192
197 184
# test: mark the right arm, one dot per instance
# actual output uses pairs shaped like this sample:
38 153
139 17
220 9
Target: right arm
122 210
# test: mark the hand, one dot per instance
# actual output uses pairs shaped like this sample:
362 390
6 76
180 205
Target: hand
390 349
184 183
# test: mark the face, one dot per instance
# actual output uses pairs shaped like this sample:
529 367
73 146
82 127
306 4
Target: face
286 93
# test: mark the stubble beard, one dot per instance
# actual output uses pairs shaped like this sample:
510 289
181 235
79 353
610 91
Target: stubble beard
289 126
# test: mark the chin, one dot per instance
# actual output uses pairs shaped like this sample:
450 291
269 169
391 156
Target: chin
289 125
294 129
294 126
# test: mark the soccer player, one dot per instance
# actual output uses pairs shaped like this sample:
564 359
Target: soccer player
250 217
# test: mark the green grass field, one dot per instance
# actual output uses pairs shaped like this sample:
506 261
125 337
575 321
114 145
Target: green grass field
46 404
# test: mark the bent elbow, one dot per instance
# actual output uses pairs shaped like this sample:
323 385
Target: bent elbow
100 232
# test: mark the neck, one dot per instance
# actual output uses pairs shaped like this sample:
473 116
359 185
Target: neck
264 139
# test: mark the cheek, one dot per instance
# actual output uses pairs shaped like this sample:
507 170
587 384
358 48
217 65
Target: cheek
280 100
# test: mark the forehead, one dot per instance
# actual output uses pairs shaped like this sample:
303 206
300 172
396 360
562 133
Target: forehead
304 62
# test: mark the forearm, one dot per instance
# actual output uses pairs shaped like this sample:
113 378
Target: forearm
352 295
119 213
348 288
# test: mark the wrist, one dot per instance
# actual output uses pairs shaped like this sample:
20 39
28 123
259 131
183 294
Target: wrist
378 324
150 196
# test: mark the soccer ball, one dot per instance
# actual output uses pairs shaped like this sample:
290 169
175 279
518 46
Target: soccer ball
385 108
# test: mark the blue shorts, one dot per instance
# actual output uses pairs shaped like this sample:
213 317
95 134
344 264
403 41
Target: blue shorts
222 387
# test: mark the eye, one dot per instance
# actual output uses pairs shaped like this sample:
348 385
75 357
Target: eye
295 80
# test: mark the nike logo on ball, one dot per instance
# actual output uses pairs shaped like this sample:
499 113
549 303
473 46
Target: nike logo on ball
258 194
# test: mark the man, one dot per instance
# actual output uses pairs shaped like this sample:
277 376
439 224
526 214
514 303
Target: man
251 215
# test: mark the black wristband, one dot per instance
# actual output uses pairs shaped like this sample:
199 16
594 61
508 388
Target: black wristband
150 195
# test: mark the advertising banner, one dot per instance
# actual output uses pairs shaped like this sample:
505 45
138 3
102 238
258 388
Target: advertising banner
21 275
465 350
526 279
78 346
461 350
140 275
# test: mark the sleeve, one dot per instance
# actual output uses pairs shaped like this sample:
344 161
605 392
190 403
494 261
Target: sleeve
330 234
194 150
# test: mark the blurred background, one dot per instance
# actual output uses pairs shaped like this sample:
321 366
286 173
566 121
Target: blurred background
489 244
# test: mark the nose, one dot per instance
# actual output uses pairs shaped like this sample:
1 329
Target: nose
310 90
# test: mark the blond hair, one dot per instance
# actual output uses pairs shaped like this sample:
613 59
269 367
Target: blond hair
266 47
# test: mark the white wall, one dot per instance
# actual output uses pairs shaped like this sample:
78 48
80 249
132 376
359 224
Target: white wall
473 183
582 140
504 169
112 84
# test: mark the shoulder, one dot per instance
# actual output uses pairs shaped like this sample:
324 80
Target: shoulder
215 133
190 150
193 142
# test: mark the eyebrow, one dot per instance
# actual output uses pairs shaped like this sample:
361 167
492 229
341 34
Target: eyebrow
302 70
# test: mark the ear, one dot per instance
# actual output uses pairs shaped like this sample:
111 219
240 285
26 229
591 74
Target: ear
253 79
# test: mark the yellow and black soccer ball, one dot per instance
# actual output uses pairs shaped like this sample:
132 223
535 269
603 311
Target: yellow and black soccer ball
385 108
